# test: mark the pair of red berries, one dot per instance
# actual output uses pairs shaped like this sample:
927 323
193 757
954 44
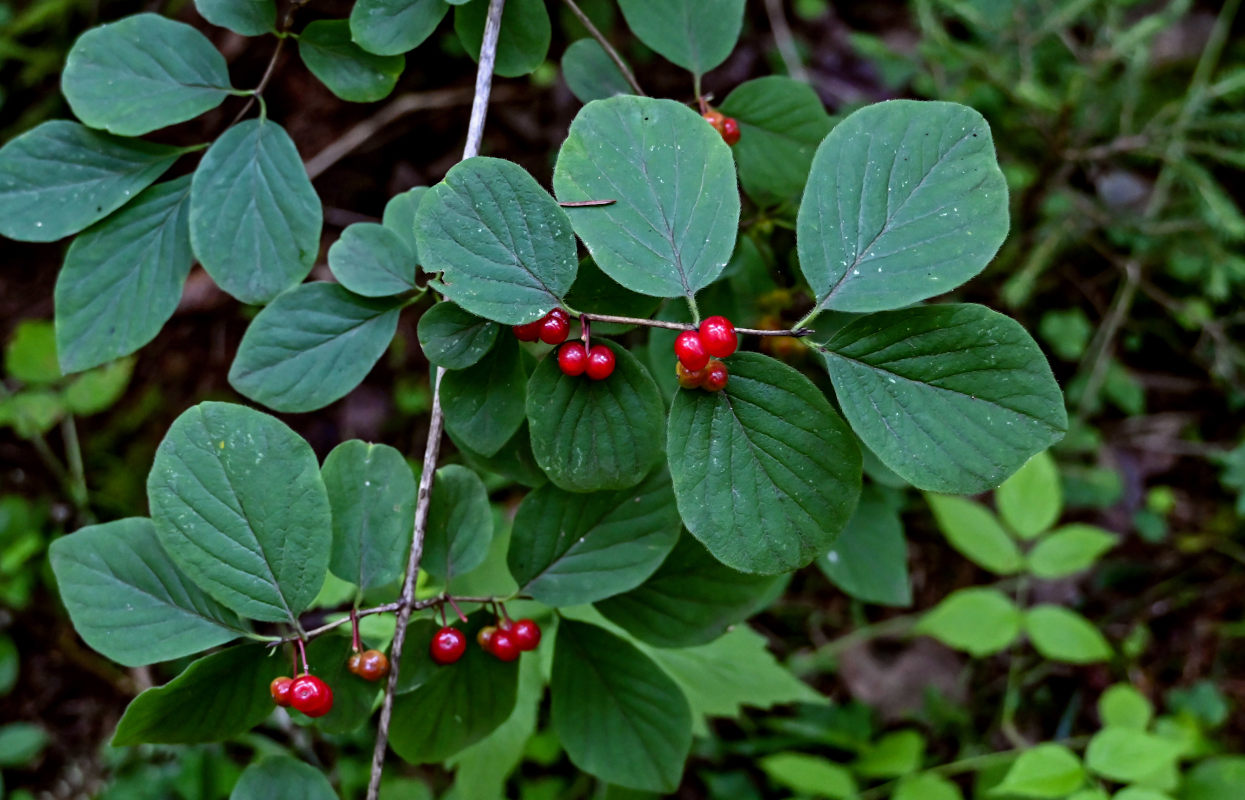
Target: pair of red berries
307 693
699 350
575 359
507 639
370 665
550 329
727 126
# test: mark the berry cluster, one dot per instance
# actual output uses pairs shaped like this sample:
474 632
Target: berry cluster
727 126
307 693
550 329
504 641
370 665
576 359
698 353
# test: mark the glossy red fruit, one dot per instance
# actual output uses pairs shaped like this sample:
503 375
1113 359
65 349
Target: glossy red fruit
447 646
311 696
690 379
715 118
373 665
572 359
715 377
502 645
529 332
730 130
280 688
526 634
717 334
555 326
600 364
690 350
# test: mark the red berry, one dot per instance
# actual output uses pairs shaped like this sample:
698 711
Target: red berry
554 327
529 332
715 377
572 359
717 334
715 118
447 646
600 364
485 635
691 350
280 688
502 645
690 379
526 634
730 130
373 665
311 696
352 663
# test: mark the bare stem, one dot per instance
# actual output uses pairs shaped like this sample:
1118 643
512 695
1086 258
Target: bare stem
687 326
414 605
785 41
606 46
263 81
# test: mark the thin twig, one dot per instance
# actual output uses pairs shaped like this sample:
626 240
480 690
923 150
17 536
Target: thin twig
687 326
586 203
785 41
606 46
432 449
415 605
263 81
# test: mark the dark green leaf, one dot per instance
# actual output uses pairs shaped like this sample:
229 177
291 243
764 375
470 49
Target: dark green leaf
372 260
617 714
141 73
691 599
590 73
216 698
673 226
399 216
349 71
765 472
505 249
123 278
353 697
371 491
484 404
282 777
239 504
60 177
245 17
596 292
1218 778
513 461
129 601
697 35
869 561
953 398
21 743
524 38
312 346
905 201
460 524
390 27
567 549
453 338
781 122
594 435
417 667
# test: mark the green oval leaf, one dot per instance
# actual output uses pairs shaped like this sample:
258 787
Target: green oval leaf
523 40
673 225
30 356
349 71
697 35
1126 755
1068 550
691 599
460 524
953 398
505 249
1061 634
141 73
371 492
513 461
595 292
60 177
399 216
484 404
972 529
372 260
217 697
281 777
312 346
905 201
869 560
254 216
123 279
765 472
591 435
1046 771
590 73
239 504
453 338
1123 706
978 621
617 714
129 601
567 548
1031 500
353 697
245 17
96 390
390 27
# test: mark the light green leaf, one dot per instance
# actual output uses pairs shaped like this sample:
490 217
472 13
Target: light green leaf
281 777
1031 500
1046 771
591 435
1218 778
905 201
372 260
1139 793
697 35
926 786
953 398
390 27
979 621
765 472
21 743
590 73
142 73
60 177
810 775
505 249
129 601
311 346
349 71
673 225
460 524
245 17
239 504
123 278
371 491
976 533
1068 550
30 356
1064 635
484 404
254 215
523 40
453 338
1127 755
98 389
869 560
893 755
1122 706
617 714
